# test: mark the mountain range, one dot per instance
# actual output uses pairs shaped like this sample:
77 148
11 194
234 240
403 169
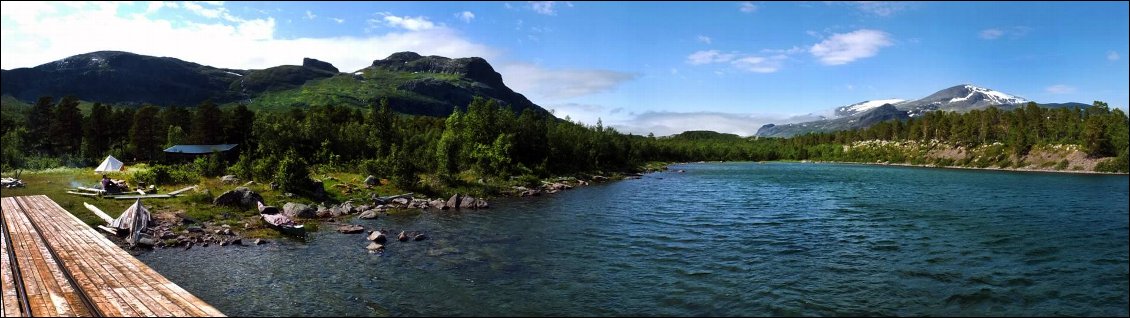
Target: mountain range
413 84
960 98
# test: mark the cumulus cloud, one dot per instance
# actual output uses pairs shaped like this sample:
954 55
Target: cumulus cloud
39 33
1112 56
670 123
704 39
418 23
747 7
310 15
843 48
1060 89
466 16
560 84
213 10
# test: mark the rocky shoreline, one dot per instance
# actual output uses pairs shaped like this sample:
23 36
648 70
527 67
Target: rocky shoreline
973 168
174 229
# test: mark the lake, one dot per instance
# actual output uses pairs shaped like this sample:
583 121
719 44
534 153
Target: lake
721 239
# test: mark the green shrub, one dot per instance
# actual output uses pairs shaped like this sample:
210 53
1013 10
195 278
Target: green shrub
264 169
292 175
1061 165
209 166
1004 163
162 174
1116 164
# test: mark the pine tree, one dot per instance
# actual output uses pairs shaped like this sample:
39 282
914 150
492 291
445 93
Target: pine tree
66 127
98 131
207 124
144 135
39 125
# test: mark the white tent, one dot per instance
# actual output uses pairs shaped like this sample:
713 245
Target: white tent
109 165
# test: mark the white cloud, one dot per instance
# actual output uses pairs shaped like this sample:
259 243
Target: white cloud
996 33
1060 89
37 33
745 62
545 84
710 56
339 21
310 15
759 64
215 11
670 123
154 6
843 48
576 112
704 39
544 7
418 23
747 7
1112 56
789 51
991 34
466 16
880 8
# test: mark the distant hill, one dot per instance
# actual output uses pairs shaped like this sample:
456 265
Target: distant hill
960 98
698 135
121 77
414 84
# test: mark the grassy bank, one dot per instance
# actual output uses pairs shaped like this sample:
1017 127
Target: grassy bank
197 204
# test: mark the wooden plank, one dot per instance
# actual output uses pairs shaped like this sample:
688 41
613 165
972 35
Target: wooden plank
119 274
48 291
175 193
96 278
11 300
74 298
147 196
95 190
34 286
98 212
83 194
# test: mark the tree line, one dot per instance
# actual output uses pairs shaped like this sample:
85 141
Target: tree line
489 141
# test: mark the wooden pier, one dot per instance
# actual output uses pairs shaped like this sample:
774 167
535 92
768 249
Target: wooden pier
54 265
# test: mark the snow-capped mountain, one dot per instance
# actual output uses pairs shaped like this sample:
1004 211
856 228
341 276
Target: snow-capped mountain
960 98
860 107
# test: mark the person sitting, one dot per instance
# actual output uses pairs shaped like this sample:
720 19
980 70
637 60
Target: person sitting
109 186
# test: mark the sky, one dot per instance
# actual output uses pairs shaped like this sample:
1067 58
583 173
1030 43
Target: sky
640 67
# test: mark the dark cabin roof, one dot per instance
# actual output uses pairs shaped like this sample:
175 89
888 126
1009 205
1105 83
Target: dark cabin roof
200 149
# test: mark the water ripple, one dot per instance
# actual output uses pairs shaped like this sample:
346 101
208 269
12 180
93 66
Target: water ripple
722 239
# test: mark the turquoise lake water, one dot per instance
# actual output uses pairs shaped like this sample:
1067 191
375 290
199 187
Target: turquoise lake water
721 239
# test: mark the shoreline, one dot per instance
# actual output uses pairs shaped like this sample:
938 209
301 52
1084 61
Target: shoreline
976 168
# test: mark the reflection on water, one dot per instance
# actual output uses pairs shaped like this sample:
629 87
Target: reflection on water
721 239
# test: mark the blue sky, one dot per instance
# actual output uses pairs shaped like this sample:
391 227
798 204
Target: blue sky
659 67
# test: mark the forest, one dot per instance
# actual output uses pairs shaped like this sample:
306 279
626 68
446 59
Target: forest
490 143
